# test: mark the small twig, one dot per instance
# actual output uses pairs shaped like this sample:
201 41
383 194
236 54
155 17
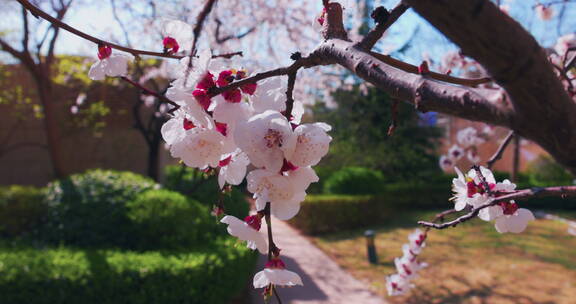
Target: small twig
276 294
382 25
147 91
272 249
483 180
563 191
394 109
40 13
198 28
406 67
500 151
228 55
289 97
304 62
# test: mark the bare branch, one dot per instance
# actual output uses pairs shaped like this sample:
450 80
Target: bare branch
305 62
198 27
382 24
517 195
228 55
289 91
469 82
147 91
500 151
229 37
40 13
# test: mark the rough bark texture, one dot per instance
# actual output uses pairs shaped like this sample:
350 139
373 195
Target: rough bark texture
543 110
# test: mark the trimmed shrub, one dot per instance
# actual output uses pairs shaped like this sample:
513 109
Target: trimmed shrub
329 213
63 275
354 181
167 219
89 209
22 210
544 171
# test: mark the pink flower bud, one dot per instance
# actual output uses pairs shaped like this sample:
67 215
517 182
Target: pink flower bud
225 162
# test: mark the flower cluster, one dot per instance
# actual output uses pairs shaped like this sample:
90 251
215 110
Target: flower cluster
478 187
407 266
245 132
468 141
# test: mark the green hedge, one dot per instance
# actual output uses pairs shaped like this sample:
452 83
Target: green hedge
354 181
167 219
328 213
63 275
89 209
22 210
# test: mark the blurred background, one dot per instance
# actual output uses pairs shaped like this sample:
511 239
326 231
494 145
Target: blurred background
94 210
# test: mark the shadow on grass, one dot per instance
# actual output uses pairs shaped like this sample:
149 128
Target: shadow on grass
480 293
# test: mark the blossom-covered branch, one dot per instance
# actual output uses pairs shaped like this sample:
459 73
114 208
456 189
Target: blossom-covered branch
561 191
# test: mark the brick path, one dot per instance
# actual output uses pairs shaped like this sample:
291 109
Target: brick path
324 281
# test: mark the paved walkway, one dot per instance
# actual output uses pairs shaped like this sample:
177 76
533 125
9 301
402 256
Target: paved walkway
324 281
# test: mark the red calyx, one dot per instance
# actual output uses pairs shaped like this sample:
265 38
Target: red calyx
288 166
222 128
170 45
225 78
423 68
104 52
207 82
233 96
253 221
188 124
249 88
275 263
508 208
202 97
225 162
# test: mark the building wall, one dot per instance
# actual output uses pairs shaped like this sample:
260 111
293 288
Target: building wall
529 151
121 146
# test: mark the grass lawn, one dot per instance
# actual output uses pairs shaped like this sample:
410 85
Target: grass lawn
471 263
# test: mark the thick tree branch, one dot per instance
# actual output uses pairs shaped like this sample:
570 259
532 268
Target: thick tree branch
382 24
426 94
518 195
500 151
544 110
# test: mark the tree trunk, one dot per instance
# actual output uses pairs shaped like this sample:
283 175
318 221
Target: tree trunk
154 158
52 127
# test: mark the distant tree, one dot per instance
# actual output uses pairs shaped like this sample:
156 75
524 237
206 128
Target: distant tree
360 130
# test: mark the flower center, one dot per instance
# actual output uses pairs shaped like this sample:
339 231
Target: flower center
273 138
509 208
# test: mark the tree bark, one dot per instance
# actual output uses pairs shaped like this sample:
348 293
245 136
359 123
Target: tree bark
543 110
52 127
